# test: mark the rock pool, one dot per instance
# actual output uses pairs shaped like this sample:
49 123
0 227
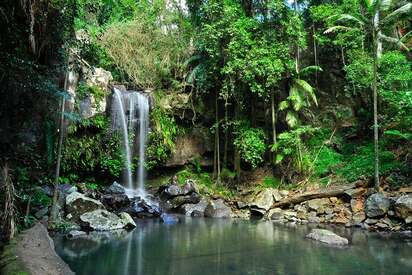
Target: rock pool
223 246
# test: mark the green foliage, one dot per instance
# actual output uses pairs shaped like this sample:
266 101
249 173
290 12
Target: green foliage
359 72
204 182
161 141
93 15
83 90
90 150
301 96
361 163
291 149
395 71
149 51
271 182
250 142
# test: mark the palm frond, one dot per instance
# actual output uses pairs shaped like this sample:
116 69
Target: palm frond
307 89
291 119
283 105
393 40
198 70
310 69
338 28
296 98
192 59
367 3
349 17
396 14
384 5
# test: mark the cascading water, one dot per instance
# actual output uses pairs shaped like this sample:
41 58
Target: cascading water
131 116
143 107
119 119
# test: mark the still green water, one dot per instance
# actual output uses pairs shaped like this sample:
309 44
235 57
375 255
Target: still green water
213 246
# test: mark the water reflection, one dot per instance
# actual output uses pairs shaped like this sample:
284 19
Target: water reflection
203 246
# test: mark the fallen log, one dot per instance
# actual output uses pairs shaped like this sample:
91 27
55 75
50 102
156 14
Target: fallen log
336 191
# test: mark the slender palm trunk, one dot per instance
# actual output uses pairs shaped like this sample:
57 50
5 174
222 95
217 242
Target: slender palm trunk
54 208
217 142
376 54
273 119
226 136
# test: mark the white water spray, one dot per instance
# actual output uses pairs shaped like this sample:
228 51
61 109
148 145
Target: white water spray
120 115
132 109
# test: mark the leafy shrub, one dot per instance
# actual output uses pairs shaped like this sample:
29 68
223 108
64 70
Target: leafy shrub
291 149
149 50
361 163
90 150
250 142
271 182
83 90
161 140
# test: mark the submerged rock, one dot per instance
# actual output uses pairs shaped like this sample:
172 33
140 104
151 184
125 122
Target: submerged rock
76 233
376 205
103 220
78 204
169 218
218 209
326 236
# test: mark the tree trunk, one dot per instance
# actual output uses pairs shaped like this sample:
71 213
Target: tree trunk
236 161
54 208
217 141
322 193
375 101
8 221
226 136
272 96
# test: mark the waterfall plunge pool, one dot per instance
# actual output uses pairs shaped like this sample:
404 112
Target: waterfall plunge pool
221 246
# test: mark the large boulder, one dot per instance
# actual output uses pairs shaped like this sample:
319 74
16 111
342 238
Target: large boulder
326 236
115 188
198 208
318 205
115 201
174 190
376 205
217 209
78 204
127 220
103 220
264 200
177 202
141 209
403 207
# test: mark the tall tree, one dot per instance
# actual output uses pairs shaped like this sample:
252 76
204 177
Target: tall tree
378 17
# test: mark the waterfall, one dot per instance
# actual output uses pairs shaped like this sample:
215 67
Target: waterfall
119 114
131 116
143 107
